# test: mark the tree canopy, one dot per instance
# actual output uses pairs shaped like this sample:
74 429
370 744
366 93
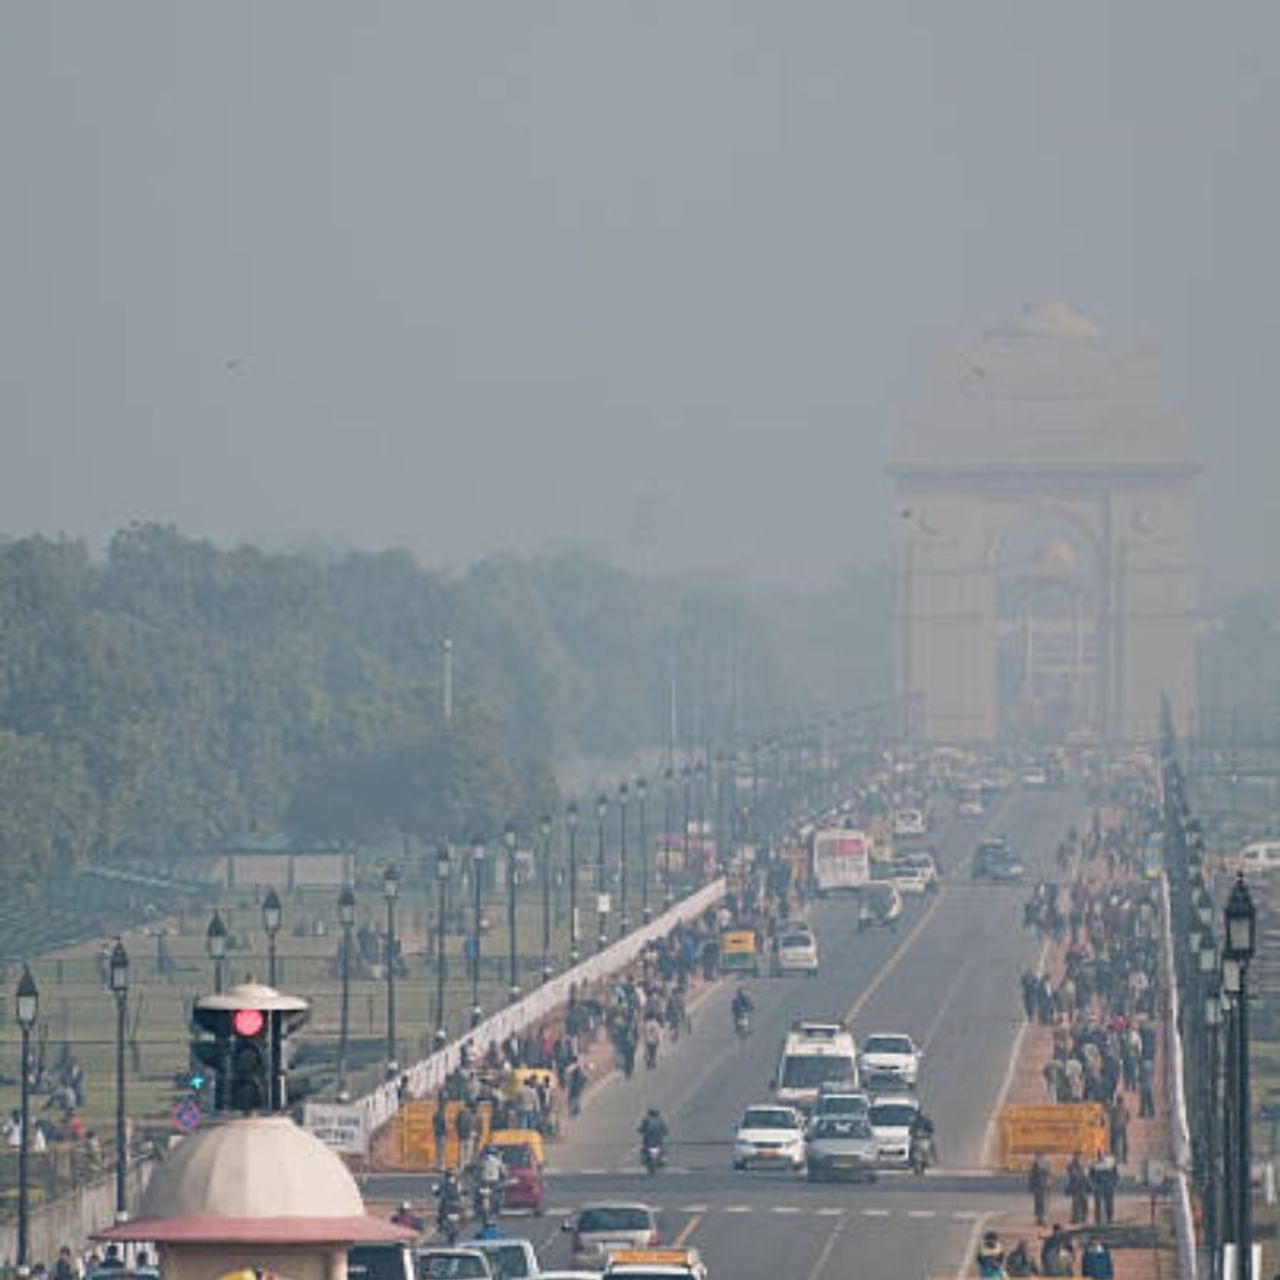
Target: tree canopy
177 696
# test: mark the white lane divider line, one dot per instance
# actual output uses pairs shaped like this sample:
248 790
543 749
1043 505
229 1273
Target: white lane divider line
830 1212
892 962
785 1208
694 1208
837 1229
737 1208
875 1213
921 1213
965 1215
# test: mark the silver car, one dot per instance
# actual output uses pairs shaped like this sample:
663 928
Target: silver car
841 1147
603 1228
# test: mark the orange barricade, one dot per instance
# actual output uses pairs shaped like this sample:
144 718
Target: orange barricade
1051 1129
413 1135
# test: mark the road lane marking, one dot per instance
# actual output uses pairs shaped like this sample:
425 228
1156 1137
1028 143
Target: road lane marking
830 1212
1011 1070
823 1257
971 1247
875 1213
920 1213
737 1208
686 1231
964 1215
694 1208
889 965
785 1208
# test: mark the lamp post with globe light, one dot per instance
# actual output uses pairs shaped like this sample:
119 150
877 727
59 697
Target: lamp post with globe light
1240 920
513 977
119 971
347 918
391 891
442 882
272 915
477 873
571 821
544 830
215 940
28 1010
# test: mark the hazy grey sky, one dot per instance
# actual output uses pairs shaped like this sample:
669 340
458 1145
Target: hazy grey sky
466 276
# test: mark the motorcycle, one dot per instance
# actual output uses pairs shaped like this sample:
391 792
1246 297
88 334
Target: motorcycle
486 1205
742 1023
921 1154
449 1221
653 1156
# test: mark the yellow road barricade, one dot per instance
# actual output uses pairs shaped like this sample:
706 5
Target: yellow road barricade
1052 1129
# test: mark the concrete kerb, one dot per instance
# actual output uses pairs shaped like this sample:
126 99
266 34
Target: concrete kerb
426 1076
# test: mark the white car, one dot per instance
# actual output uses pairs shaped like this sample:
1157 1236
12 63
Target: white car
891 1119
910 879
908 822
797 953
888 1057
971 806
771 1136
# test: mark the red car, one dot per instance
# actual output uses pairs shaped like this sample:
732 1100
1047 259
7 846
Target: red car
522 1187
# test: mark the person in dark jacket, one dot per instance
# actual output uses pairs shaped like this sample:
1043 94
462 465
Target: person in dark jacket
1096 1261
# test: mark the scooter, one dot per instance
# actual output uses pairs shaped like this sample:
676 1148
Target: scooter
742 1023
653 1156
921 1153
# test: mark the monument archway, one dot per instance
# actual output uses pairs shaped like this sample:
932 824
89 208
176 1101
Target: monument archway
1046 583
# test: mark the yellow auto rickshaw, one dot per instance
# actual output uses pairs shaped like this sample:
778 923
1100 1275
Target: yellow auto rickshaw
738 952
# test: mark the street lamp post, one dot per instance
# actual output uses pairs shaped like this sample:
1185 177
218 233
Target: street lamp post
668 787
390 891
513 977
215 940
1240 919
120 988
700 791
686 775
477 869
624 922
347 918
1212 1020
642 791
544 829
28 1002
442 881
272 914
602 894
571 821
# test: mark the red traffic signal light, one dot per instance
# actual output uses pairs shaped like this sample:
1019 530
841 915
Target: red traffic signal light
248 1022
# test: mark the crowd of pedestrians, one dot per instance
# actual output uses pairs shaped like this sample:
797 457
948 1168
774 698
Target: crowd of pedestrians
1101 998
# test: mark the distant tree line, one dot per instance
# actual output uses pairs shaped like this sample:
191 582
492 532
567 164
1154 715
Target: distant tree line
176 696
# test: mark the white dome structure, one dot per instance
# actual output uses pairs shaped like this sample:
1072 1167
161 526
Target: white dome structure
257 1167
253 1179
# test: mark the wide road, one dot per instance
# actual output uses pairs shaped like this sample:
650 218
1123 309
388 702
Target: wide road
948 977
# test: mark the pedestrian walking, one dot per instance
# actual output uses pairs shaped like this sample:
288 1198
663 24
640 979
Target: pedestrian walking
1078 1190
1146 1088
465 1126
1119 1120
1103 1177
440 1130
1038 1183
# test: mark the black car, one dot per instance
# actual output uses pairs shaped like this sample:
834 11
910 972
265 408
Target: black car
995 861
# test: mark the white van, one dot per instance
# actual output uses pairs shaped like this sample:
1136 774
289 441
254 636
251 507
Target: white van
1256 859
815 1054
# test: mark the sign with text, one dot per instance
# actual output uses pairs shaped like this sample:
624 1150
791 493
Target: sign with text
339 1126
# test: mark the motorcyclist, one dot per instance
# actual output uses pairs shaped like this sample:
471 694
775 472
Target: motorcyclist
450 1205
653 1129
743 1006
922 1137
404 1216
490 1173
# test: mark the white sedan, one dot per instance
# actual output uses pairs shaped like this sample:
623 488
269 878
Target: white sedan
770 1136
797 953
890 1058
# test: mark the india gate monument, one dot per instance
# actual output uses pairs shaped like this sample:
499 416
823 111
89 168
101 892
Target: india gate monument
1047 584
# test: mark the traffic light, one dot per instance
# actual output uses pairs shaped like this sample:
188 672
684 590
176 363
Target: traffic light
240 1039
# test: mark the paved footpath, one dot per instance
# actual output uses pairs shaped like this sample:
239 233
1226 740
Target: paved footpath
1149 1140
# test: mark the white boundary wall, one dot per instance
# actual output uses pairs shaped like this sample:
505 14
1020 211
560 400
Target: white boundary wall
1184 1221
426 1076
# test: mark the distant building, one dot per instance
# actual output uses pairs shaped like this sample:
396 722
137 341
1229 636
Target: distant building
1046 576
282 869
